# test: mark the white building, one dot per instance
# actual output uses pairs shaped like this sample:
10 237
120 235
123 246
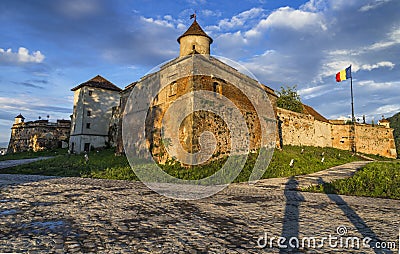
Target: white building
93 103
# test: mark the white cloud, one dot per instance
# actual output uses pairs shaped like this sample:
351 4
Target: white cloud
373 5
159 22
210 13
168 17
181 26
238 21
329 68
339 5
296 19
378 85
387 110
314 5
332 67
312 92
392 39
370 67
22 56
287 17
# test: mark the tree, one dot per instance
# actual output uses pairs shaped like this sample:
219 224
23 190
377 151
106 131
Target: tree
289 99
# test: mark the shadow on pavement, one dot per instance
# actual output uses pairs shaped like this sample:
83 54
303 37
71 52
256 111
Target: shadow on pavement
290 228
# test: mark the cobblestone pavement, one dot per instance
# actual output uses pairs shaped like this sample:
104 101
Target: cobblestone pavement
76 215
328 175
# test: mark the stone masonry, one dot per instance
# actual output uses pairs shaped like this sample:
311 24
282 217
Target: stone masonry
305 129
38 135
77 215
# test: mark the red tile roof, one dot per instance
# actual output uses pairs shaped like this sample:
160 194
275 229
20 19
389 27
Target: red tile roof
195 29
309 110
98 82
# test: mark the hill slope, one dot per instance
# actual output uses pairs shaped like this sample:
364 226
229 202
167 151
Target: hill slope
395 124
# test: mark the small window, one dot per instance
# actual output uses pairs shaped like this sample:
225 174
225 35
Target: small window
90 93
194 47
215 87
87 147
89 113
172 89
87 125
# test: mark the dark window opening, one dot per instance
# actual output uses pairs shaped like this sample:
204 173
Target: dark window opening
89 113
194 47
90 93
87 147
215 87
87 125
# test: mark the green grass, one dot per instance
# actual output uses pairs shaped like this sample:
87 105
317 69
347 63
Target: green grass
105 164
377 179
31 154
306 163
378 157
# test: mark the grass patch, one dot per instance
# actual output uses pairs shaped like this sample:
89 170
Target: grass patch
377 179
31 154
378 157
102 164
105 164
307 162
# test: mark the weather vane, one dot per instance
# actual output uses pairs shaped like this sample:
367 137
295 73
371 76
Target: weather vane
193 16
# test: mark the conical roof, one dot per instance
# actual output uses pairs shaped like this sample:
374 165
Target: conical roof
195 29
98 82
20 116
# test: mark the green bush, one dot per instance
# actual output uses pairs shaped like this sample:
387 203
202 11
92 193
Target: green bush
289 99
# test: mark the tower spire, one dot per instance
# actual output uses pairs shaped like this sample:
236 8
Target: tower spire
194 40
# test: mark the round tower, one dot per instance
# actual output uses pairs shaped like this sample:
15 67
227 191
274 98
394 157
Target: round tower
19 119
194 41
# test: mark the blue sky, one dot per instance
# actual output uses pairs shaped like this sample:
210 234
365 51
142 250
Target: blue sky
49 46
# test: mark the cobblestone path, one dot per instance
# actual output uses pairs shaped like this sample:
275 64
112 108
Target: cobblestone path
12 163
76 215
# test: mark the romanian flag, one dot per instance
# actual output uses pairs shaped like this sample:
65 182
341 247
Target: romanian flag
343 74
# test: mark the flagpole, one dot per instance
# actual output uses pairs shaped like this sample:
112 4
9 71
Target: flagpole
353 119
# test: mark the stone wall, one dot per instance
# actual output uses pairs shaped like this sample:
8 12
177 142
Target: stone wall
368 139
39 135
199 122
184 75
180 77
302 130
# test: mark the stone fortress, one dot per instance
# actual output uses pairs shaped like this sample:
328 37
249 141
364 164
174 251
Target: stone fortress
99 107
38 135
